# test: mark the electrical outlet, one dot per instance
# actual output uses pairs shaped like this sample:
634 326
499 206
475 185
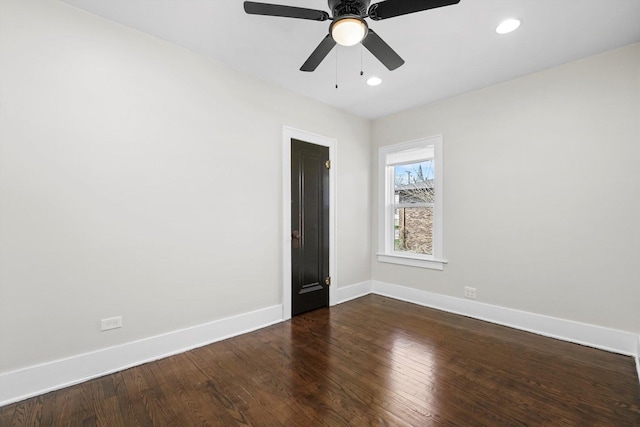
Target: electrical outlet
111 323
469 292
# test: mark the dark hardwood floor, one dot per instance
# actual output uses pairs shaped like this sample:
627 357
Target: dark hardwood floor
372 361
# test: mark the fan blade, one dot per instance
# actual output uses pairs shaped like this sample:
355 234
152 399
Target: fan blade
254 8
391 8
319 54
382 51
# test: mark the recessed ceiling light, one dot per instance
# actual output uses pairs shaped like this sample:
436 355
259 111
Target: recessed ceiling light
508 25
374 81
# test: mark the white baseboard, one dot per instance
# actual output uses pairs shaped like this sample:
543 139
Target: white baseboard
347 293
612 340
35 380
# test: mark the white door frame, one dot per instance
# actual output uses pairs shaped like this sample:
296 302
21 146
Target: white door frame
288 134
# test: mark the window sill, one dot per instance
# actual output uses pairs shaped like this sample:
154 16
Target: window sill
413 261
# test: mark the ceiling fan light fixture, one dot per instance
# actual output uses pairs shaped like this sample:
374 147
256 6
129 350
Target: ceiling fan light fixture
508 25
348 26
348 31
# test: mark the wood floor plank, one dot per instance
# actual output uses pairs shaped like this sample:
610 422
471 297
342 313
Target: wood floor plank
372 361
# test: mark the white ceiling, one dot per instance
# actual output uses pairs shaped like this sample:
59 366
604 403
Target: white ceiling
448 51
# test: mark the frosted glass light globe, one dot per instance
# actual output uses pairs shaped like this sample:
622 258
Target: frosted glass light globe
348 31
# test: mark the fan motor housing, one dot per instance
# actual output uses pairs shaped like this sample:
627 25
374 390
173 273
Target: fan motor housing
349 7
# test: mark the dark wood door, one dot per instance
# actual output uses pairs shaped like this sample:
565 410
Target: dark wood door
309 227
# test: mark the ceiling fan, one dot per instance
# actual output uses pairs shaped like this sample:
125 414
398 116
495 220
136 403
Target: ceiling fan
348 26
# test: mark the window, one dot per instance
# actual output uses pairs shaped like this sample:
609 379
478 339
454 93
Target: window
410 198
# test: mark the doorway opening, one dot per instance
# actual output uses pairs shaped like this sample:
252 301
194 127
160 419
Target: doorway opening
308 245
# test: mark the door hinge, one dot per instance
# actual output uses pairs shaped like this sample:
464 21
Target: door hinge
327 281
327 164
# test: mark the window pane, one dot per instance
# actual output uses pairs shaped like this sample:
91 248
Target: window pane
413 183
413 230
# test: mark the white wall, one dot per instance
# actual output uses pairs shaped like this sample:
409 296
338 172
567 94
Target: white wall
542 191
142 180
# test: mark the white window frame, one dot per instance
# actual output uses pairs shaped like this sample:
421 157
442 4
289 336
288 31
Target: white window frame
412 151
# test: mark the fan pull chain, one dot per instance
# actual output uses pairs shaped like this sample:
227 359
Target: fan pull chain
361 67
336 67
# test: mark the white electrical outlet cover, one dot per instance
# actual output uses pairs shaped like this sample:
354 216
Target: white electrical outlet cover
111 323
